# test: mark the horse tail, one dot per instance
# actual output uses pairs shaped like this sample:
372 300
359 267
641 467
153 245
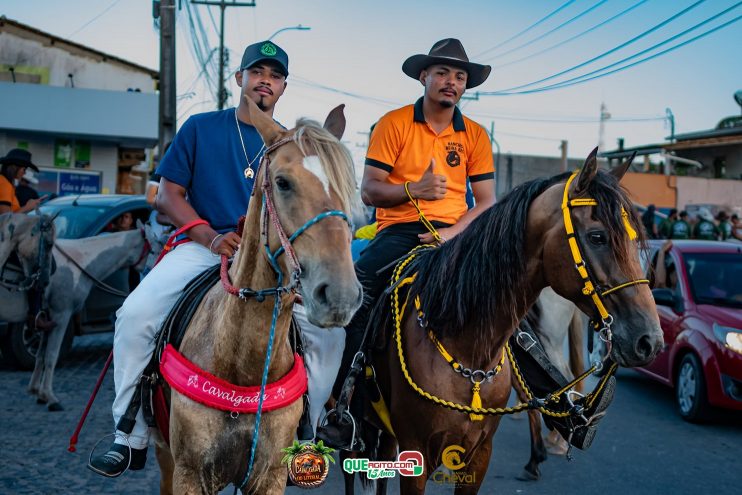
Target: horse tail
576 347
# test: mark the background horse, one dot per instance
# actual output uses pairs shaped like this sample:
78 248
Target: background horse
474 289
81 264
30 237
554 320
310 173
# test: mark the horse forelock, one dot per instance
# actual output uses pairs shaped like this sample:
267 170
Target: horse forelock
336 161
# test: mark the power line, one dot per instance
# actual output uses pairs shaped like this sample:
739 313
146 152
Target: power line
606 53
547 33
94 18
572 38
586 77
548 16
645 59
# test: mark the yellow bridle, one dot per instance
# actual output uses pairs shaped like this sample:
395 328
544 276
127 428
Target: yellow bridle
589 288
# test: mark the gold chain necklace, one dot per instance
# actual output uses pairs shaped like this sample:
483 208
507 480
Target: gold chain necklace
249 173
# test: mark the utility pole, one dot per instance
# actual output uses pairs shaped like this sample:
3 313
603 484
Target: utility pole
165 10
222 4
671 119
604 115
563 147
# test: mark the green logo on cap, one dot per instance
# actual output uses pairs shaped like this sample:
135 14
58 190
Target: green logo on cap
268 49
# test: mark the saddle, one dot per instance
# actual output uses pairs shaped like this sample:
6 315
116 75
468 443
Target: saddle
149 393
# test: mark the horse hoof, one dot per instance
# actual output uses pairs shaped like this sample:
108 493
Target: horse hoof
526 475
39 400
56 406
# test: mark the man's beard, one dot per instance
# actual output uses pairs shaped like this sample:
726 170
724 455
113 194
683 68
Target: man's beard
261 104
446 104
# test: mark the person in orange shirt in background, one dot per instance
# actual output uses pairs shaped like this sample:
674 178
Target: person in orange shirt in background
12 168
422 153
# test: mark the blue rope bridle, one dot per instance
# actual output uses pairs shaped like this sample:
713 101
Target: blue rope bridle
269 213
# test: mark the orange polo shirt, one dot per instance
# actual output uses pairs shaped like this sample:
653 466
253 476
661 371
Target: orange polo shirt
402 143
7 194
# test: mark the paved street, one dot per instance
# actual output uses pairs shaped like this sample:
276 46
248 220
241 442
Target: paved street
642 446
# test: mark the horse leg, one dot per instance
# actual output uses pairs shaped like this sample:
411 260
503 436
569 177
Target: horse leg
575 337
477 467
187 482
387 452
348 478
531 471
167 465
38 370
415 485
51 355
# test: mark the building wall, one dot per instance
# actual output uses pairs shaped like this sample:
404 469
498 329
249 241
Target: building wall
656 189
87 72
731 154
103 156
727 194
517 169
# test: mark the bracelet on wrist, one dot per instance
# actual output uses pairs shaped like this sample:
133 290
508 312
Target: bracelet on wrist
211 246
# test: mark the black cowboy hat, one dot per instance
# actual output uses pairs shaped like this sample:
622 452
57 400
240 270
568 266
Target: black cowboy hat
449 52
19 157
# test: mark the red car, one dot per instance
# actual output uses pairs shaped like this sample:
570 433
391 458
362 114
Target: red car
700 311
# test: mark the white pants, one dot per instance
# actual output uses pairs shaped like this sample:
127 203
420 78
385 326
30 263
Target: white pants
323 351
139 319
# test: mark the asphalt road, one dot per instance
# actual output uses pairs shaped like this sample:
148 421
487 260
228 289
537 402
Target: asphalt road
642 446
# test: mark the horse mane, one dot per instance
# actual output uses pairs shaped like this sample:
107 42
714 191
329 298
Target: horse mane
463 284
336 160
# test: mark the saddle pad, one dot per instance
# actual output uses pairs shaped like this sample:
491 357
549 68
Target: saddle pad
212 391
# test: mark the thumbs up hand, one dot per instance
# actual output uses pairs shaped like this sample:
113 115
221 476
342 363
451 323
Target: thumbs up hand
431 186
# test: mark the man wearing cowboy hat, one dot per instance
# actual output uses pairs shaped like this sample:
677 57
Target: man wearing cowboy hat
430 150
13 166
426 153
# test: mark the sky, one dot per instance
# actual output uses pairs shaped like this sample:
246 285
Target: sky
358 47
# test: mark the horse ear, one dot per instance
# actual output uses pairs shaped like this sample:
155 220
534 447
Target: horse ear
266 126
589 170
335 121
619 171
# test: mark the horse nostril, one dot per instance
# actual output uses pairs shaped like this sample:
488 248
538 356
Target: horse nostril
320 294
644 348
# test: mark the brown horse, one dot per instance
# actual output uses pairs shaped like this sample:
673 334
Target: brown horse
310 173
474 289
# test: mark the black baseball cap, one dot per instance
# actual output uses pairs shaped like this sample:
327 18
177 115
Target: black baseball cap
265 50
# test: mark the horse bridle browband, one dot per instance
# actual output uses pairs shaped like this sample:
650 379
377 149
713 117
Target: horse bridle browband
590 288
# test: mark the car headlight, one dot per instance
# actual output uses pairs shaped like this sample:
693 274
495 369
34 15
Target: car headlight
730 337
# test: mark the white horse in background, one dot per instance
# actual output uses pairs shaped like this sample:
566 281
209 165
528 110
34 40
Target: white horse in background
81 265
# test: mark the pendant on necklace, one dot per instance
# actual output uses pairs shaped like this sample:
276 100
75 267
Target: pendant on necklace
249 174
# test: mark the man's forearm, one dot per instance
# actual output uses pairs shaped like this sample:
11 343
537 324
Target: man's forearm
180 213
469 216
383 194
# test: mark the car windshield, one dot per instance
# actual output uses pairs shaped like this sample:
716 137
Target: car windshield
716 278
72 221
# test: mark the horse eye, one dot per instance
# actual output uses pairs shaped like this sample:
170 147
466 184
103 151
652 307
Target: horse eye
597 238
283 184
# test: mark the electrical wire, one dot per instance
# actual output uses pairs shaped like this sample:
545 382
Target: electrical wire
524 31
547 33
94 19
581 80
606 53
572 38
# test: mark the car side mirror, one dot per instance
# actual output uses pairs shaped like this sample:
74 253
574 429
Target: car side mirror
666 297
663 297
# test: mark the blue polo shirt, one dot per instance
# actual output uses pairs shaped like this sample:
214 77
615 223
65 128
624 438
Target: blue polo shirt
206 158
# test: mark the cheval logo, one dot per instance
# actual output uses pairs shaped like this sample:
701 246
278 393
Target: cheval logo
408 463
452 460
308 464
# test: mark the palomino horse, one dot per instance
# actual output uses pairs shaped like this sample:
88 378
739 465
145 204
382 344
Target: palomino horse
473 290
306 176
81 265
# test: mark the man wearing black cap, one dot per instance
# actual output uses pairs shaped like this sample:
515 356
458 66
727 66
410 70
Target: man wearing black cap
13 167
423 154
207 173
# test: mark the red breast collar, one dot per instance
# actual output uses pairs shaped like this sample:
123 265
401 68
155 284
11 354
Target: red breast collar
209 390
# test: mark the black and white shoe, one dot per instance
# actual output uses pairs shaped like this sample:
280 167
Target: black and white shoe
117 460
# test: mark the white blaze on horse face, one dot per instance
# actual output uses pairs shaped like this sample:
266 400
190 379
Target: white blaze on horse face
314 165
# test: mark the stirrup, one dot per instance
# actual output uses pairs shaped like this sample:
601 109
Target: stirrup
356 444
